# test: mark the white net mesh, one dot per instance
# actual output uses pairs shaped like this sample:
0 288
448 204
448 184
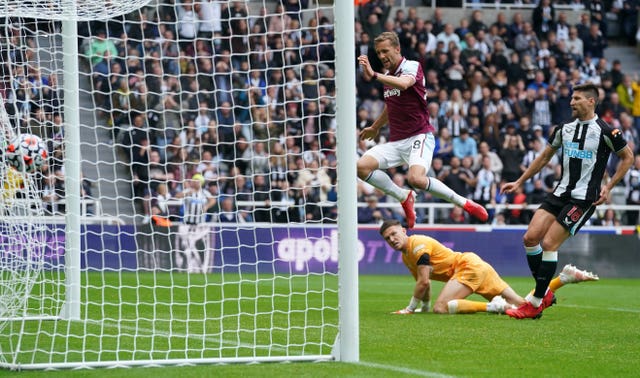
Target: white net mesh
69 9
22 241
208 150
31 257
30 281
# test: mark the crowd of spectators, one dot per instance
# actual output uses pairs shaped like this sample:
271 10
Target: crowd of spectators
248 101
32 99
497 88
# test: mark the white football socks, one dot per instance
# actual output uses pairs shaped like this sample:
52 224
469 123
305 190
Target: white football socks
440 190
382 181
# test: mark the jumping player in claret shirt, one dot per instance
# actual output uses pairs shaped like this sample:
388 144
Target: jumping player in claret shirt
411 139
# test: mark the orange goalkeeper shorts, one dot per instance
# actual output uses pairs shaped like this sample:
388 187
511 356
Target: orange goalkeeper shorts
477 274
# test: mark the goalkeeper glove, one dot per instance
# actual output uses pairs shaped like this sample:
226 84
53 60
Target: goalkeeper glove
410 309
404 311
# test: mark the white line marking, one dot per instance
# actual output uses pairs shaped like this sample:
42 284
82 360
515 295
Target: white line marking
617 309
138 330
399 369
155 332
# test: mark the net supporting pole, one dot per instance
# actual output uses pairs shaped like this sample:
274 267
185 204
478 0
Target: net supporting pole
348 337
71 309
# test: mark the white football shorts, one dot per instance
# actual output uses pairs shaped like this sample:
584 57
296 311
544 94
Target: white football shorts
417 150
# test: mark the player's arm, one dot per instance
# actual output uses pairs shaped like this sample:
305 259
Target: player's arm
382 119
422 290
402 82
372 131
626 160
535 167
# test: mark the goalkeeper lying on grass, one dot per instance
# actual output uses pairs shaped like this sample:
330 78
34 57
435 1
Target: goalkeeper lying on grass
465 273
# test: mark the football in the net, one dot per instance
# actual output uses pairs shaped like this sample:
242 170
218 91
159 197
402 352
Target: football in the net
26 153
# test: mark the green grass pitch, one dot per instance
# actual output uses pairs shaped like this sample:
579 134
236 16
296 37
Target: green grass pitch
593 331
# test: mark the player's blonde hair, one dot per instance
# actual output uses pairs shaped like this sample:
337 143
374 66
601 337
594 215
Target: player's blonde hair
388 36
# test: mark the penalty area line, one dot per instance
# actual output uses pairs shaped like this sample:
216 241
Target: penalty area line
400 369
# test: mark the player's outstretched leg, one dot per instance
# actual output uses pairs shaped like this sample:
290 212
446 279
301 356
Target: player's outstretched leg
409 211
440 190
382 181
569 274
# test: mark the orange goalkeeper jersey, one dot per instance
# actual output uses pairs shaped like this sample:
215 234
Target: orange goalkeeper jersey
442 260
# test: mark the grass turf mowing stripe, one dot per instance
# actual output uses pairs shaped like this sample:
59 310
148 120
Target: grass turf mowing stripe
138 330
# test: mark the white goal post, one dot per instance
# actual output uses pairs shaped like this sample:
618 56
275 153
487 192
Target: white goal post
146 283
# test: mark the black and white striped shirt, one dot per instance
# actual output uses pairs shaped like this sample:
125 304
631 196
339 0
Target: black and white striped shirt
194 206
485 181
586 146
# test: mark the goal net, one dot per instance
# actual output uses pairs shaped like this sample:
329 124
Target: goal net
29 282
205 135
69 9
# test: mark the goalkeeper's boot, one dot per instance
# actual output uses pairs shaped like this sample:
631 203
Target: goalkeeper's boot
476 210
409 212
571 274
525 311
548 300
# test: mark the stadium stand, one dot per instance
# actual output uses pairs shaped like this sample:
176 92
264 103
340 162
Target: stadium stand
174 90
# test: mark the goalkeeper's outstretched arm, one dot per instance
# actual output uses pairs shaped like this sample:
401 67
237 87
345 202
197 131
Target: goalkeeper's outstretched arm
421 293
422 290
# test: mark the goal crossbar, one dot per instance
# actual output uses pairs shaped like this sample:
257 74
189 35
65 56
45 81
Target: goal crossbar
63 10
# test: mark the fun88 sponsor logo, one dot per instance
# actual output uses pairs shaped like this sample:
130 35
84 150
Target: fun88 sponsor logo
571 149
